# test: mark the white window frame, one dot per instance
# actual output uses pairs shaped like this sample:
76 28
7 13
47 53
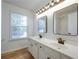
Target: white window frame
11 27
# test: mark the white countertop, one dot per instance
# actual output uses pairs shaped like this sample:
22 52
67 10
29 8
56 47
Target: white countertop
66 49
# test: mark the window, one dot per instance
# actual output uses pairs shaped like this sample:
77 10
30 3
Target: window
18 26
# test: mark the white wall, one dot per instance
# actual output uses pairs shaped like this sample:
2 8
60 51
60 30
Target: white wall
7 44
49 13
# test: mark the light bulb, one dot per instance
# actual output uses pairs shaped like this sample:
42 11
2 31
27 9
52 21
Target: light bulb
57 0
52 4
43 9
40 11
36 14
47 7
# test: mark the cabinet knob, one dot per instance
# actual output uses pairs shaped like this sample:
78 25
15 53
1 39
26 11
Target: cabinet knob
40 46
48 57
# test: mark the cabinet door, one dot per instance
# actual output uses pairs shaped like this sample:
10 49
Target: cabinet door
42 54
48 56
52 54
65 57
30 46
33 48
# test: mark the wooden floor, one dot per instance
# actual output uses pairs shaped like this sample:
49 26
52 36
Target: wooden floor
19 54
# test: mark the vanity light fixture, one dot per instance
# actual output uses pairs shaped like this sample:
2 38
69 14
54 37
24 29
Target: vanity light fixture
52 3
56 1
36 14
43 9
40 10
49 5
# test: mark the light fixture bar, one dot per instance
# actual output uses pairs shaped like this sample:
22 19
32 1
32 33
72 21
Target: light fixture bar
49 5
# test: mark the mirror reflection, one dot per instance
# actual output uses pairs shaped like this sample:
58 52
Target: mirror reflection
42 24
65 20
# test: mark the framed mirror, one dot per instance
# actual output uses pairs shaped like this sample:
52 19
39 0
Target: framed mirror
42 24
66 20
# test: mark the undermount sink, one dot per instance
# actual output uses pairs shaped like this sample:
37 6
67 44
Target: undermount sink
55 44
59 46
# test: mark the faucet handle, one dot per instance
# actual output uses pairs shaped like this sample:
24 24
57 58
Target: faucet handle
60 40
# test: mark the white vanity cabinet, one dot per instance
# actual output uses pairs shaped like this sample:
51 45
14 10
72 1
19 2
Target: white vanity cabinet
41 51
33 48
42 54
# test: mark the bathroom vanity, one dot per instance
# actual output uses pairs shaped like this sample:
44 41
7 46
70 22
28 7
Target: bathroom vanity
42 48
65 23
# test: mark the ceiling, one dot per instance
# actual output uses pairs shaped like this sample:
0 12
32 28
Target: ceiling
32 5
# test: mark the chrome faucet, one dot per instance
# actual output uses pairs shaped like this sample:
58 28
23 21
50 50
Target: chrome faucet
60 40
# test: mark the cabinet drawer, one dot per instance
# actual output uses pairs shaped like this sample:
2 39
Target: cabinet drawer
65 57
53 54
